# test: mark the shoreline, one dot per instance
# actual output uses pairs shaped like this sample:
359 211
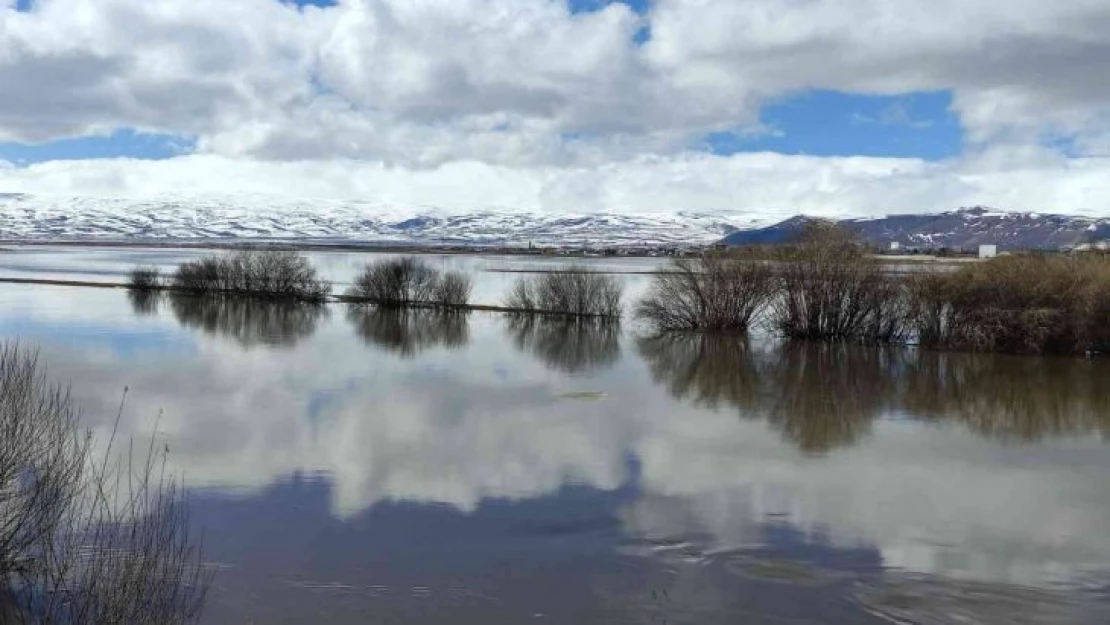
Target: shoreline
570 252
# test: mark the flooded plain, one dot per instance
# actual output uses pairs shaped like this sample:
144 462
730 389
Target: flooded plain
351 466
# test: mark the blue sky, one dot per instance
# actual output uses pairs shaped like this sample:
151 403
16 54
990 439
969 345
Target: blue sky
816 123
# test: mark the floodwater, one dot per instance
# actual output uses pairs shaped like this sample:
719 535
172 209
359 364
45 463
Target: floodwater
360 467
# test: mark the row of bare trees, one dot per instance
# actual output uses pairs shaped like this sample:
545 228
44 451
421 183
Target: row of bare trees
84 538
391 283
826 287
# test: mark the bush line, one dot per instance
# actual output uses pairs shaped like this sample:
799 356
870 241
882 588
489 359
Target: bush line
827 288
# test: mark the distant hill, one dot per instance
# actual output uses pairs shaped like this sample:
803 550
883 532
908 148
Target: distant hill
961 229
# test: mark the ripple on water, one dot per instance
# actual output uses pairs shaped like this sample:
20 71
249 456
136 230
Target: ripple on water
926 600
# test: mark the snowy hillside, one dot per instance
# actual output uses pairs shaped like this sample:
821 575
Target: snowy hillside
962 229
41 218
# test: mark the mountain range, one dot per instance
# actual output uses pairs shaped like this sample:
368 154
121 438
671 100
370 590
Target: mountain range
41 218
26 217
964 229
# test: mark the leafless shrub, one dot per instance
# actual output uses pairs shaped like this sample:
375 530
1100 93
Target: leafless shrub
247 320
568 292
453 290
522 297
830 290
567 344
409 331
145 279
1017 304
713 292
81 540
408 281
267 274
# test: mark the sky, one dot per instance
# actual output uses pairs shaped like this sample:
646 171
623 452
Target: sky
833 107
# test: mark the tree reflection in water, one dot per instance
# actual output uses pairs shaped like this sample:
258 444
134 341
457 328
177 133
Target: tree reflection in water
567 345
822 396
248 321
145 303
409 331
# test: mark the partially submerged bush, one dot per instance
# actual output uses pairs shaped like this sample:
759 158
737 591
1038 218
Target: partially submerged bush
713 292
830 289
83 540
268 274
453 290
145 279
568 292
409 281
1016 304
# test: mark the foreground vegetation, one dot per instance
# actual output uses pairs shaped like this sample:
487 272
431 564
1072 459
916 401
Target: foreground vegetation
827 288
84 539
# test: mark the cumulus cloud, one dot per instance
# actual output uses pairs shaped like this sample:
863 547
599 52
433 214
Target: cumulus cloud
759 185
380 94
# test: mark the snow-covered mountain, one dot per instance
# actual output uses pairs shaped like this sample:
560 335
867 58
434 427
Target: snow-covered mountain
961 229
29 217
42 218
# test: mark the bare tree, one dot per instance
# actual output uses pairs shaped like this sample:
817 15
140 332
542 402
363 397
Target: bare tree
830 290
568 292
453 290
408 281
712 292
145 279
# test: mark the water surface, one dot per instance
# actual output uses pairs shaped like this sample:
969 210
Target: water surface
349 466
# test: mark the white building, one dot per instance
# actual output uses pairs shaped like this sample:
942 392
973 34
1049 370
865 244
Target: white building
895 246
988 251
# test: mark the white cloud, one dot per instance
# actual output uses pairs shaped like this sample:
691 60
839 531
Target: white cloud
521 103
762 185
